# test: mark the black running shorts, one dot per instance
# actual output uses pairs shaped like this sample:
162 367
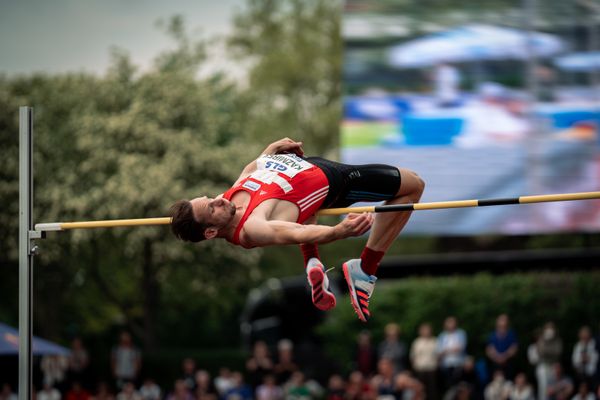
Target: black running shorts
350 184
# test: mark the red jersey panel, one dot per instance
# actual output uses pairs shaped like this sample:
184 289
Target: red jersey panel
284 177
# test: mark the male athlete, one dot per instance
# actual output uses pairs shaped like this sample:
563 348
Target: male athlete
274 202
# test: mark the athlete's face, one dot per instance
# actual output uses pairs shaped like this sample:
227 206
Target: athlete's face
214 212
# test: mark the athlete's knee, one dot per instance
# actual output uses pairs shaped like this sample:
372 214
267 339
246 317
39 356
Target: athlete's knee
412 184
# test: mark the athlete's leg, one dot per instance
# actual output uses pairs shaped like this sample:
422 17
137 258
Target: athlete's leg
387 226
360 273
322 298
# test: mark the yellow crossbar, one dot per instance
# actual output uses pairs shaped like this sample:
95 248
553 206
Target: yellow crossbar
60 226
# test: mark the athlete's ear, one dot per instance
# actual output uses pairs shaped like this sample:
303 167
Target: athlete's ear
211 232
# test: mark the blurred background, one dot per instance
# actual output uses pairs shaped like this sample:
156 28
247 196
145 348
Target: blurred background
138 103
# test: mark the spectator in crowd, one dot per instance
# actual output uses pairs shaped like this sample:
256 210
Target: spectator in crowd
205 390
358 388
499 388
103 392
408 388
521 389
336 388
502 346
451 346
128 392
269 390
296 388
54 370
392 347
585 356
48 392
224 381
259 364
461 391
7 393
180 391
423 357
126 360
77 392
446 79
385 380
239 390
471 375
150 390
549 350
188 368
560 386
285 366
365 354
583 392
78 362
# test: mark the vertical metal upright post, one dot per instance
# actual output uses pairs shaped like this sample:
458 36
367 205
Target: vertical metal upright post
25 250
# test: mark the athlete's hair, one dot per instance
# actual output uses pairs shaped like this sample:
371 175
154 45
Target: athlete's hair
183 224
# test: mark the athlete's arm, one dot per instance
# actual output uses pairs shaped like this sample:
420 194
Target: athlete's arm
259 232
285 145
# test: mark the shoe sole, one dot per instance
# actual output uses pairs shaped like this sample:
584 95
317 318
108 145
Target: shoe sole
322 298
353 299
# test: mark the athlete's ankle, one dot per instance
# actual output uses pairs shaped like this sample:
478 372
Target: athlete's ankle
309 250
370 259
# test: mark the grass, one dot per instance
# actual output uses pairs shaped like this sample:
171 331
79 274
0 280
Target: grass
363 134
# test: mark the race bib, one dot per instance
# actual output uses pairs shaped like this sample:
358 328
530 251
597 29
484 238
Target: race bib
287 164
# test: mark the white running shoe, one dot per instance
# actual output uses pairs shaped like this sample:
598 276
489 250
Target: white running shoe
322 298
361 287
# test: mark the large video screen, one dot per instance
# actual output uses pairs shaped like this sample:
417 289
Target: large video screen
478 110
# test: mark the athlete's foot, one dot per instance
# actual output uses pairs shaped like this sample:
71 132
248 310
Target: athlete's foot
322 298
361 287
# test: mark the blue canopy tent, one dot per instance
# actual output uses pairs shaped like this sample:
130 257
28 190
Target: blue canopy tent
9 344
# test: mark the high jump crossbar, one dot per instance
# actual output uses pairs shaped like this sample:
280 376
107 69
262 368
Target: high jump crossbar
62 226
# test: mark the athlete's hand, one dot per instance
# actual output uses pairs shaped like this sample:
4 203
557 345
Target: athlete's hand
285 145
355 225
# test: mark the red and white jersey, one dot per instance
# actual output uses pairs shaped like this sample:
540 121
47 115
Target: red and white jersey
284 177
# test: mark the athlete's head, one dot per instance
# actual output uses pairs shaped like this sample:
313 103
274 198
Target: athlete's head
201 218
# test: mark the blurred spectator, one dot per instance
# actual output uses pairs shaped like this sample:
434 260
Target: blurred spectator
77 392
502 347
491 121
358 388
269 390
150 390
549 350
128 392
499 388
408 388
188 368
224 381
103 392
180 391
451 345
296 388
423 357
126 360
7 393
583 392
585 356
78 362
385 380
392 347
472 375
285 366
205 390
446 79
48 392
336 388
365 355
560 386
521 389
54 369
239 390
259 364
